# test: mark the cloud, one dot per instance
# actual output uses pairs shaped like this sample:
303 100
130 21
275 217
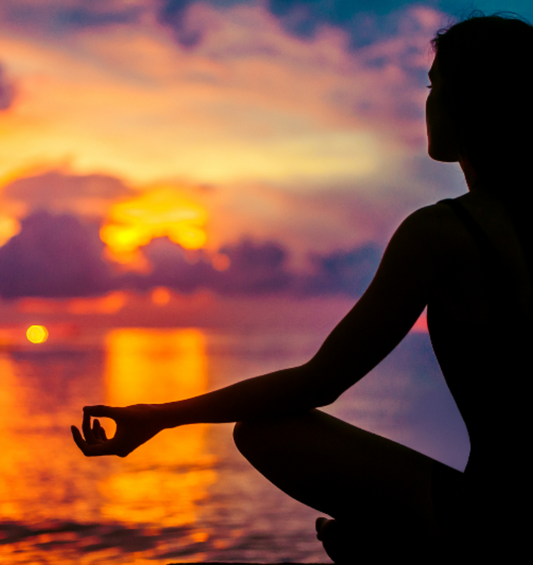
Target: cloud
7 90
53 256
254 268
257 268
175 14
250 101
59 256
346 272
307 218
303 17
53 16
173 267
59 192
98 13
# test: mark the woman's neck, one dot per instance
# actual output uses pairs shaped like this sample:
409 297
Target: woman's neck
471 177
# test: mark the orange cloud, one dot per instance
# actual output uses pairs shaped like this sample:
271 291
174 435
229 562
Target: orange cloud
160 212
108 304
9 227
250 102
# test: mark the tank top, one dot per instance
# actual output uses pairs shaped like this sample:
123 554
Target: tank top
488 371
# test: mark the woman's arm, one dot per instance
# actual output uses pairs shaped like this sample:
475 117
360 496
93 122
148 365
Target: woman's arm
375 325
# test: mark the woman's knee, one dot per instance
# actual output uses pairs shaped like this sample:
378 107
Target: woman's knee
240 434
247 436
272 434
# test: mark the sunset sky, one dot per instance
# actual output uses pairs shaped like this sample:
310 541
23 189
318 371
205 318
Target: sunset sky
164 158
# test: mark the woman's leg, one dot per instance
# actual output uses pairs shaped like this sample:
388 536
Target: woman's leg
375 488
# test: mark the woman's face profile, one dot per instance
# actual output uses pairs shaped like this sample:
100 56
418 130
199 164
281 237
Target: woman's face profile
442 144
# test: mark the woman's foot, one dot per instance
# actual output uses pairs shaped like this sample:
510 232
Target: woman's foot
322 526
335 539
347 543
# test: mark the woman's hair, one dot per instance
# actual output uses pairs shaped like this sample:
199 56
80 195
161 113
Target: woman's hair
486 66
486 63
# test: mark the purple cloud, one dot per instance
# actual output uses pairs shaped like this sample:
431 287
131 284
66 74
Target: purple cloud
60 192
173 13
7 90
172 267
258 268
53 256
59 256
364 20
342 272
255 268
76 15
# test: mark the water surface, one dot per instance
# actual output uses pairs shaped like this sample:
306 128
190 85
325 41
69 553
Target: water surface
187 495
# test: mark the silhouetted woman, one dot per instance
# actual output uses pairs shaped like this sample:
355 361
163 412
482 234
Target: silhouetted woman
469 260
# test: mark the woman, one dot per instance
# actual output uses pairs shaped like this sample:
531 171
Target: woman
469 260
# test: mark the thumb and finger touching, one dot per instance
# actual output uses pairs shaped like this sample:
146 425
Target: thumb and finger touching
90 449
101 411
135 426
94 440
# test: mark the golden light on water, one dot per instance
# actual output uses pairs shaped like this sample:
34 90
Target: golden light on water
161 484
155 366
157 213
37 334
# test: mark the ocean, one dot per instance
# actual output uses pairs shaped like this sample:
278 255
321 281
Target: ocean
187 495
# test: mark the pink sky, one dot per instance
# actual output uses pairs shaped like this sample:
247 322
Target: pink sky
305 143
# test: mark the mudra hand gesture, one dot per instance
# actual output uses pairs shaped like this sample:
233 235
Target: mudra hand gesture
135 425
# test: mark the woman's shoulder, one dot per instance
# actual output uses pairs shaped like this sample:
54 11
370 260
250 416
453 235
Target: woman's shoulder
482 237
442 222
492 219
437 228
434 217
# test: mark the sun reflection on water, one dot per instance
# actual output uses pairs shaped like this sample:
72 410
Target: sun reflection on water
155 366
54 503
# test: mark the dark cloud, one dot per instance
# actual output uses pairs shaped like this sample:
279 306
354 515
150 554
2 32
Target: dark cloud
342 272
53 256
367 20
50 17
173 13
172 267
59 256
255 268
7 90
363 19
92 15
302 17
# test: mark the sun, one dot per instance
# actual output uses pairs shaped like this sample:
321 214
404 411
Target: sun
37 334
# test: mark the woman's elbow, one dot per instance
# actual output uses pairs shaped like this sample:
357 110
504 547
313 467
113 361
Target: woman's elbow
318 389
325 398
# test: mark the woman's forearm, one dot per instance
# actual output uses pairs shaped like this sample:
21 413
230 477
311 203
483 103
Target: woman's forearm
276 394
282 392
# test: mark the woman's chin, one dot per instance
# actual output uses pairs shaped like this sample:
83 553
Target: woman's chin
442 155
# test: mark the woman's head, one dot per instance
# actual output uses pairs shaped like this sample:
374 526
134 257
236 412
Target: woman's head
442 136
483 90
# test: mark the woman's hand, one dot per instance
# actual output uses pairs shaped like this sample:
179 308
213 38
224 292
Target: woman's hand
135 425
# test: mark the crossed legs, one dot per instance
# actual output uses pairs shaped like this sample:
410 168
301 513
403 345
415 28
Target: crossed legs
377 491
